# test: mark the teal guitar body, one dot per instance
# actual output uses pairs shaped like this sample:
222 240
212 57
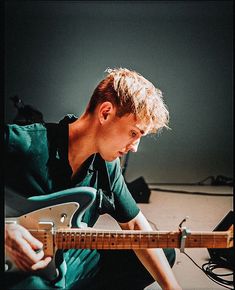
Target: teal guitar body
46 214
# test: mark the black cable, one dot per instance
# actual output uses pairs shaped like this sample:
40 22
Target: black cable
214 181
208 268
175 183
153 224
190 192
219 180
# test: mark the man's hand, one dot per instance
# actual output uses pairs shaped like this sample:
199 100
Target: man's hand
24 250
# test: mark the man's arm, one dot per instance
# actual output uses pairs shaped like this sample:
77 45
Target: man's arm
154 260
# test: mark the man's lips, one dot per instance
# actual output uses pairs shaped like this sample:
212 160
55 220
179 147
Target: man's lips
121 153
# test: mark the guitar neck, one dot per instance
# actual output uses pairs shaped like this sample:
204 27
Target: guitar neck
96 239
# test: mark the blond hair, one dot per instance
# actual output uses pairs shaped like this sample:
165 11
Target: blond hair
130 93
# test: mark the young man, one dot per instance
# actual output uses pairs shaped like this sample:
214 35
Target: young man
85 151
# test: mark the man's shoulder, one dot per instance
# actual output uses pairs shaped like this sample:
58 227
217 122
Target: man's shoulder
26 128
114 167
21 137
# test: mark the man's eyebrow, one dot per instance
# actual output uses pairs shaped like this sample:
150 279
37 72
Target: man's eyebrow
141 131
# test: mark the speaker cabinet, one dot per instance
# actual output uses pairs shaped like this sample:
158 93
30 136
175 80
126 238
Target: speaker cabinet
139 190
224 257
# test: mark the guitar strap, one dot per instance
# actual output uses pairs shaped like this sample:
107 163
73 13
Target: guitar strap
104 194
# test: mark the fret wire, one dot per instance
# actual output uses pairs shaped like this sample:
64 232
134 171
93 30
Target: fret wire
96 237
116 239
81 240
85 240
63 240
65 237
109 236
74 241
90 236
78 240
69 240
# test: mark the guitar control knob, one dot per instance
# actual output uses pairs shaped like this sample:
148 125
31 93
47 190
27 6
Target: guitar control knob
8 265
63 217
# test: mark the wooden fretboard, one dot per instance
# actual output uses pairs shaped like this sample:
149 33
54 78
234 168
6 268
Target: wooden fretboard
119 239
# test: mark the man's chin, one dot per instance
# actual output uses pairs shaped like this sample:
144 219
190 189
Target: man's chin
109 158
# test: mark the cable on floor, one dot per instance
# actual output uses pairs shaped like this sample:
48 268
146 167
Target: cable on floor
208 269
210 180
190 192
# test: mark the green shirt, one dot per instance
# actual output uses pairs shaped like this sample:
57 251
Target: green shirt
37 163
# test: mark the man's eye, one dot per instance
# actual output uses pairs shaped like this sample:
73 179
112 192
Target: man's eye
133 134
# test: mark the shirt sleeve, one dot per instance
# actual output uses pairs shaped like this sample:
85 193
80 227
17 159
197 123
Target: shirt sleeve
125 206
16 139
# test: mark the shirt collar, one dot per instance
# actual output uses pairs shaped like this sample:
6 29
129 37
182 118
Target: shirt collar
63 142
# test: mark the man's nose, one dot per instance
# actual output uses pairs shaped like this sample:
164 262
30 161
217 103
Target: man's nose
134 146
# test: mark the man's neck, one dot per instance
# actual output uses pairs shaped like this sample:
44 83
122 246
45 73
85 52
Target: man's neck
81 142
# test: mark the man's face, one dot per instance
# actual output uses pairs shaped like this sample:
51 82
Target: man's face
118 136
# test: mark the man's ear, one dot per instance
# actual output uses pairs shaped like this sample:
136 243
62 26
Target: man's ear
106 109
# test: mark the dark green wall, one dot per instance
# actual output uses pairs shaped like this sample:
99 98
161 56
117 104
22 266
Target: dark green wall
56 53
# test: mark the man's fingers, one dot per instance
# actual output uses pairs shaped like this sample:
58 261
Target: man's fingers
35 244
41 264
30 253
24 249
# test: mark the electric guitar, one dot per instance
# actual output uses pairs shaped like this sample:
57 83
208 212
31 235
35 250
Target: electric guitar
49 218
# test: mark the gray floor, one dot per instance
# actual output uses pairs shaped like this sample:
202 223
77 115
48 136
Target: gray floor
167 209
